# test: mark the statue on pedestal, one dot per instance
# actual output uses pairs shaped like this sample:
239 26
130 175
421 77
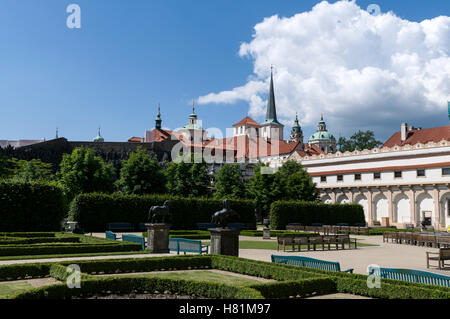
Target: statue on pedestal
222 217
159 211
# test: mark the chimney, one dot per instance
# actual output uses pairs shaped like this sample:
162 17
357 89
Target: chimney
404 131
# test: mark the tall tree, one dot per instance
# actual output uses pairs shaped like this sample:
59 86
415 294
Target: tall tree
83 172
358 141
141 174
32 170
229 182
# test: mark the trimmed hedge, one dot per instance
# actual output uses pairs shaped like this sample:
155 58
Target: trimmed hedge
37 240
292 281
127 285
94 211
31 206
307 213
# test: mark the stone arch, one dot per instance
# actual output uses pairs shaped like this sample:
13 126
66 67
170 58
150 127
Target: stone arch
326 199
380 207
425 203
445 209
362 200
342 199
402 209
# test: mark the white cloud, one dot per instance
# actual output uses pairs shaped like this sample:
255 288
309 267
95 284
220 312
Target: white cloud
362 71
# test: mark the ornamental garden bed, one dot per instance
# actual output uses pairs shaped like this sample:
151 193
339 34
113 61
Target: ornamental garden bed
174 276
58 243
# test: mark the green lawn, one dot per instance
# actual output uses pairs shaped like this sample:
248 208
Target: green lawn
272 245
204 275
9 289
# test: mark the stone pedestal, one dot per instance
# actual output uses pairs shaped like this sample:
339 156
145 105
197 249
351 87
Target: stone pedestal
158 238
224 241
266 233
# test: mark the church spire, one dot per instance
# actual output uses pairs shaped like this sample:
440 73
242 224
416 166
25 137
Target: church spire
271 115
158 120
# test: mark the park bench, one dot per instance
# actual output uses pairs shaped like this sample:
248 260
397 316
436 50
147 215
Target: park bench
120 227
416 276
295 227
110 235
134 239
286 241
309 263
205 226
345 239
187 246
440 257
238 226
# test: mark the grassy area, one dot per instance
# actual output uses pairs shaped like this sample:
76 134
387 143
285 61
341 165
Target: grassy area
272 245
204 276
9 289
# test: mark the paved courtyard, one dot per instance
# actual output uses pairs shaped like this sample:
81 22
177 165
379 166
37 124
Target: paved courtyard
385 255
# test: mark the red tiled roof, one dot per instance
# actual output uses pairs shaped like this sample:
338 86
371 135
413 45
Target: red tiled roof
135 139
248 121
416 136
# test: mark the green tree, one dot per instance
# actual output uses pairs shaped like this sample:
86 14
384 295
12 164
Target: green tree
141 174
188 178
83 172
358 141
33 170
229 182
260 188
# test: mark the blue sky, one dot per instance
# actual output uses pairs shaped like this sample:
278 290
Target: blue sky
129 56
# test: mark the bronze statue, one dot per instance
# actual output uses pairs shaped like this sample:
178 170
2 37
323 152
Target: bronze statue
159 211
222 217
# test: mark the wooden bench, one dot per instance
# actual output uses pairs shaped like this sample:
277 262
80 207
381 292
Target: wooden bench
187 246
287 240
110 235
440 257
134 239
416 276
205 226
309 263
120 227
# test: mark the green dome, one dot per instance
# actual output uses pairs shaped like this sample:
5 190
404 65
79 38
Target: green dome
99 138
322 136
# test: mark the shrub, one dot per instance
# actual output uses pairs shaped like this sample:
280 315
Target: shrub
31 206
307 213
94 211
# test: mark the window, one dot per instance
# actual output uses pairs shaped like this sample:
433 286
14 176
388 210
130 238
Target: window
446 171
398 174
357 177
420 173
340 178
377 175
323 179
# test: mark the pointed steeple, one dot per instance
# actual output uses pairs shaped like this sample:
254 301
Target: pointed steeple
56 136
158 120
271 114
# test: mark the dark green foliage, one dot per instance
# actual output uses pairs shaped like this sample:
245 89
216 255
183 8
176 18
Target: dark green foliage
188 178
141 174
36 240
94 211
307 213
229 183
299 288
83 172
290 182
31 206
33 170
358 141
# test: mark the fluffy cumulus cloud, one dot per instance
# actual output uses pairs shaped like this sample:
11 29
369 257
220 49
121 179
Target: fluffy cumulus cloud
363 71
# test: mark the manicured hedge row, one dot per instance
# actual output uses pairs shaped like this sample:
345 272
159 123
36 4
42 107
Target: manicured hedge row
94 211
299 288
73 248
37 240
307 213
33 206
29 234
127 285
24 271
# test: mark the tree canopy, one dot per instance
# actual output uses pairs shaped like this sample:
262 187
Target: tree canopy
358 141
229 182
